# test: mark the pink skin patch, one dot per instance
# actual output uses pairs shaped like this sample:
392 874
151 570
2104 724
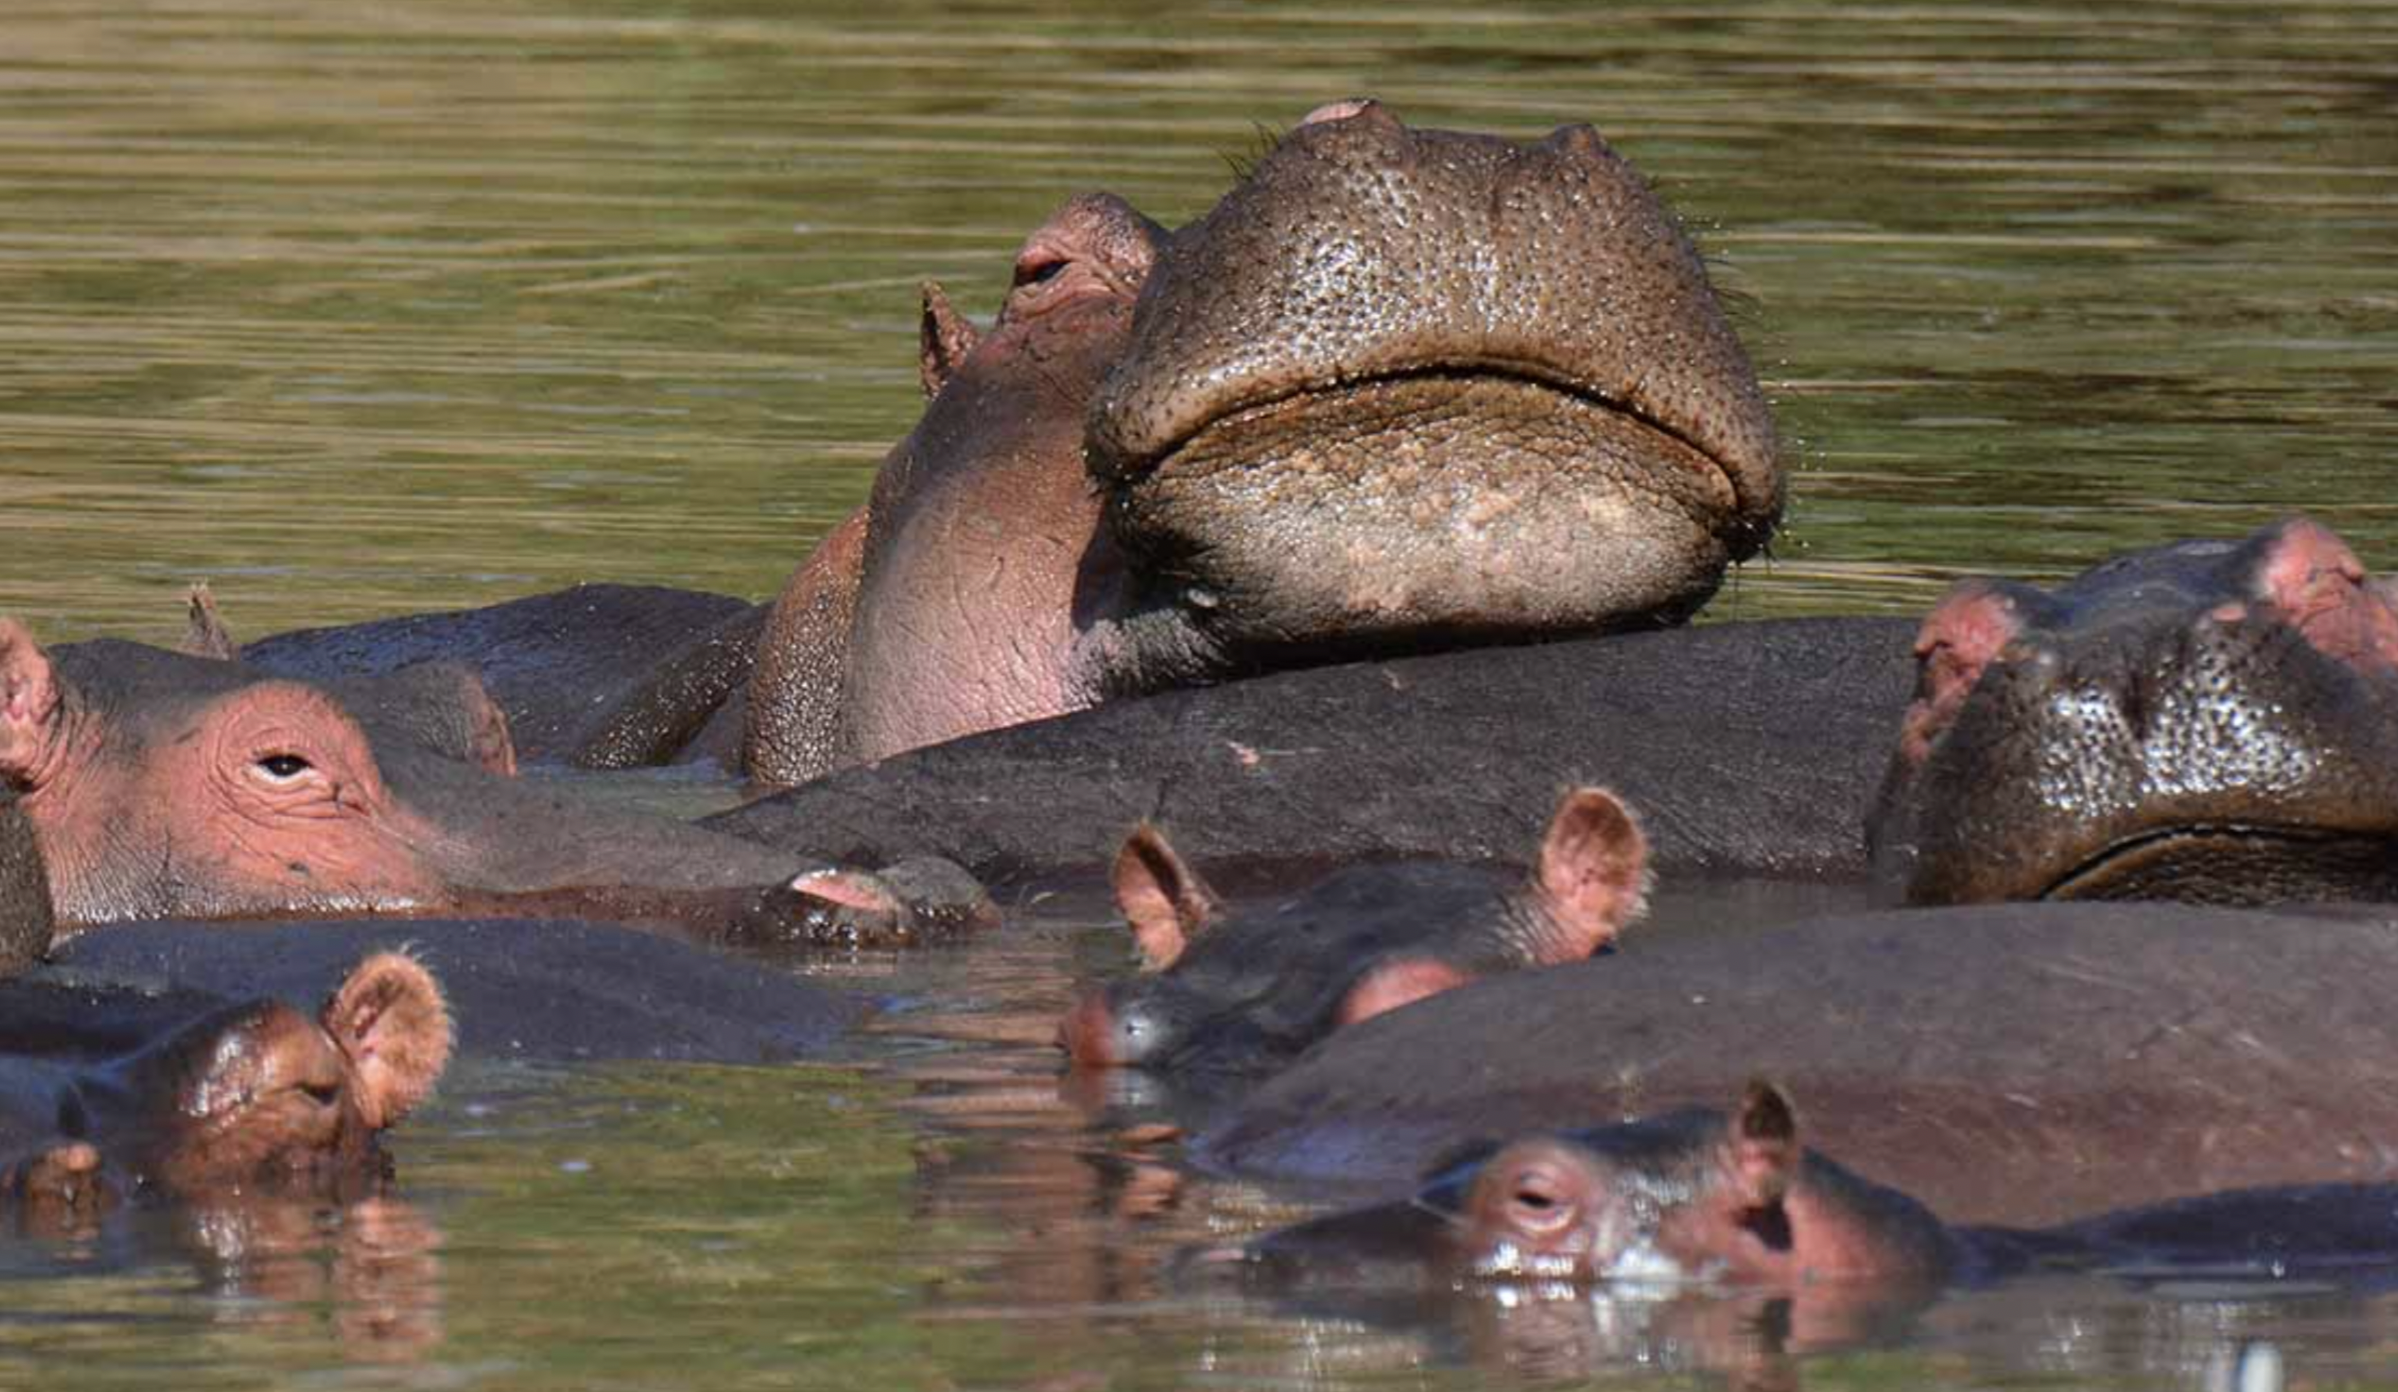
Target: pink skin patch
1956 643
1337 110
1087 1032
2320 587
1394 984
851 891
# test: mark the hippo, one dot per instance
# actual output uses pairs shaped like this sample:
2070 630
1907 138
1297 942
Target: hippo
1301 428
1248 992
2210 721
250 1093
163 785
1700 1200
2018 1064
951 602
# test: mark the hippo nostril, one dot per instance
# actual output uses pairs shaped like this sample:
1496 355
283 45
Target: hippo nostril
1039 271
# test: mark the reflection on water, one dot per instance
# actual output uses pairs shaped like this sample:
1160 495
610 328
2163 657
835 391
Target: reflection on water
363 309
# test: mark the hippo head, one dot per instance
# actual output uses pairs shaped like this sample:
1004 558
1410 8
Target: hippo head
1403 387
253 1093
161 785
1239 992
1685 1198
2211 721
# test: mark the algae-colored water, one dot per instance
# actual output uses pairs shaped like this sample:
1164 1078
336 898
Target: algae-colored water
356 310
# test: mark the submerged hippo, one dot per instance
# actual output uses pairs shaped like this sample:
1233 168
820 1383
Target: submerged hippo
250 1093
2017 1063
1250 991
1705 1198
2214 721
161 785
1322 429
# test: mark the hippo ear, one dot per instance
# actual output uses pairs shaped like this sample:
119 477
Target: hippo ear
29 701
204 633
390 1019
1165 900
1762 1145
1593 876
943 338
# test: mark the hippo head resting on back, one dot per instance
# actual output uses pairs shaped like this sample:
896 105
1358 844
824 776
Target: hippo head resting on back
1408 388
2209 721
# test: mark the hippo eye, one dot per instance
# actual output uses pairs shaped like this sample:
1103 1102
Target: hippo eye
322 1094
284 767
1538 1204
1038 272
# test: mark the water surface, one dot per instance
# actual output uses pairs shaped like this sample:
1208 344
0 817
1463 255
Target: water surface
357 310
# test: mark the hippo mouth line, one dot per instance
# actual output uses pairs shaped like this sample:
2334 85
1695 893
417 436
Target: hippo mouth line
2091 876
1464 375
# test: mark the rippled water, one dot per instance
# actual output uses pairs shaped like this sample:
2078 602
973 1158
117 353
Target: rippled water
364 309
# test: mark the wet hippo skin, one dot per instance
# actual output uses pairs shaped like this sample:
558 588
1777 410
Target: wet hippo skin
1746 749
2019 1063
2213 721
526 989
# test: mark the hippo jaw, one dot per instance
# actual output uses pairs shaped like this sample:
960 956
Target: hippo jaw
2236 866
1417 385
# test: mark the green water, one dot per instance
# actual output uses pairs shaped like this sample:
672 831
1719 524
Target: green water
360 309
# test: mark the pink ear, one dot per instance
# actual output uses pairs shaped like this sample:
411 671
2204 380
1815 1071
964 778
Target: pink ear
1163 899
205 634
943 339
29 699
391 1021
1593 876
1393 984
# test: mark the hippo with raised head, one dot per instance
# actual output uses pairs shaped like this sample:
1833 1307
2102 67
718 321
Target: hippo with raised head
250 1093
1320 431
2213 721
161 785
1248 992
953 600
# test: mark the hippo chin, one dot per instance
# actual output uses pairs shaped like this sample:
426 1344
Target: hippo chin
2210 721
1303 427
161 785
253 1093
